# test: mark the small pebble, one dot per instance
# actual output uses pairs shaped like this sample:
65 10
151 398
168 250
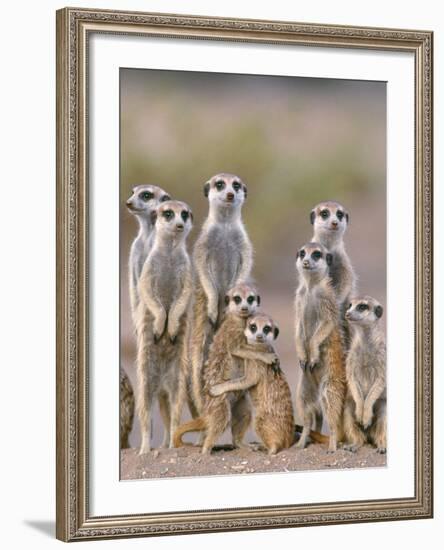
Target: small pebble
155 453
164 471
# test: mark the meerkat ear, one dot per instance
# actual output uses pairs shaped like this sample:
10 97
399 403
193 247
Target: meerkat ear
378 311
312 217
207 189
276 332
258 300
227 299
347 217
244 187
153 216
329 258
191 216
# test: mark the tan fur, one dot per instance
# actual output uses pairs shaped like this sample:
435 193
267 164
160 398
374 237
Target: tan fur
126 409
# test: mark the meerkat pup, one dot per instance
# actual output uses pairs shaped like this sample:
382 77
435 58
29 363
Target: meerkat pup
143 201
217 413
267 387
222 257
330 221
321 388
165 288
126 409
366 401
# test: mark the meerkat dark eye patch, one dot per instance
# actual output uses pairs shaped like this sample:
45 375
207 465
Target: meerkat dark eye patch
339 214
276 332
250 299
316 255
237 300
146 196
325 214
220 184
378 311
227 300
184 215
236 185
267 329
253 328
301 254
362 307
168 214
165 198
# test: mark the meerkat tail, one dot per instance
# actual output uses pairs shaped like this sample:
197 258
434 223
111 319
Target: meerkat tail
317 437
196 425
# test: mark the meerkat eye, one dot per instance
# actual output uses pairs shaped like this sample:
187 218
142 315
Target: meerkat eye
317 255
362 307
253 328
325 214
165 198
236 185
267 329
185 215
250 299
168 215
339 214
302 254
220 184
146 196
237 300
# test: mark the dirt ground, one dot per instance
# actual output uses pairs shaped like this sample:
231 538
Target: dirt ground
188 462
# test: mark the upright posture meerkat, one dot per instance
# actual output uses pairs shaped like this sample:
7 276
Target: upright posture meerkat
143 201
242 301
366 401
126 409
222 258
165 288
330 220
321 388
267 386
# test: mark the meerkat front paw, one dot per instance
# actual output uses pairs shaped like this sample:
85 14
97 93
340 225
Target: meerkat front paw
215 391
159 328
172 332
303 363
367 418
381 450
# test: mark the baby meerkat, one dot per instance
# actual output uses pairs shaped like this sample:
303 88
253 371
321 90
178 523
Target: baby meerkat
126 409
321 388
222 258
143 201
165 288
330 221
366 401
242 301
267 387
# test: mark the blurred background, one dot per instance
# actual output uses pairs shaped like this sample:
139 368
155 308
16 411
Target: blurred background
294 142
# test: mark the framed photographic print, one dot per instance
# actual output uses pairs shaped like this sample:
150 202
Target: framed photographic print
244 274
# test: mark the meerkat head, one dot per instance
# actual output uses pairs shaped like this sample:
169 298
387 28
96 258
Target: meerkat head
242 300
261 329
226 191
173 219
145 199
364 310
313 258
330 219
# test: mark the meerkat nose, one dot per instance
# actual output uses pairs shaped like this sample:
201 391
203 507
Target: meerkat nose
230 196
179 226
334 223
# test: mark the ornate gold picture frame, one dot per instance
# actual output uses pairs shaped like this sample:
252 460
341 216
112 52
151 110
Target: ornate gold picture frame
74 30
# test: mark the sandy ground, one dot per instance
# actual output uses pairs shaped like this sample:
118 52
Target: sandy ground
188 462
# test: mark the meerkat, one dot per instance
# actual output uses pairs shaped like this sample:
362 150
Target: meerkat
267 387
165 288
222 257
366 400
330 221
242 301
126 409
319 348
143 201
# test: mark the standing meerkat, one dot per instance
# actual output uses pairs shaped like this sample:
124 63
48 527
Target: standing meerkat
321 388
143 201
126 409
217 413
330 221
366 401
165 288
267 387
222 258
